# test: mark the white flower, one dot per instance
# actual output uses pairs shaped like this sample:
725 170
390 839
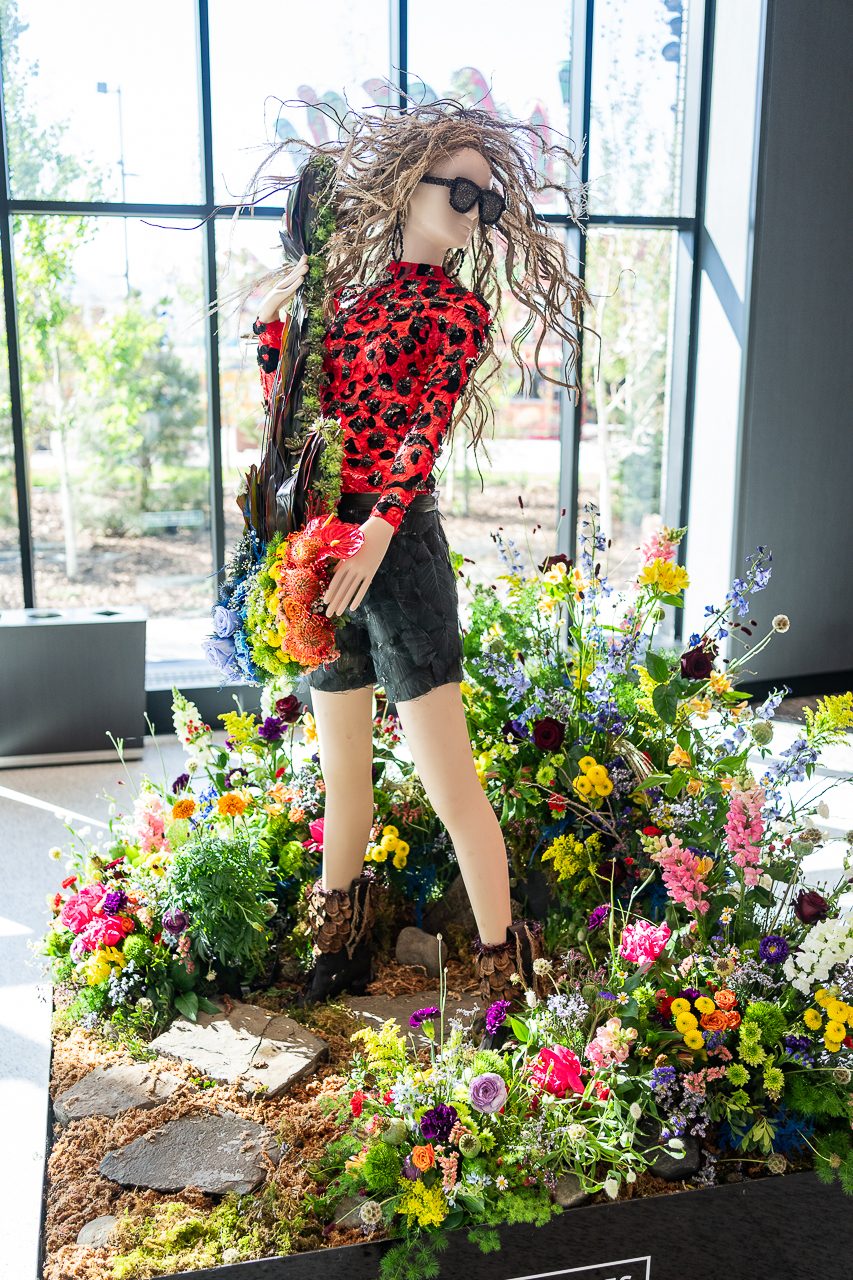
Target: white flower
531 998
630 1176
765 881
781 622
501 1182
823 809
635 1110
577 1132
55 853
611 1186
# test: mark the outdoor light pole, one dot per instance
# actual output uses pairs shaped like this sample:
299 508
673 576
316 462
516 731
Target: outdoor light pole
102 88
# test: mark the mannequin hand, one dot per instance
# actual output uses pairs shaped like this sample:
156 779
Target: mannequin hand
353 576
273 303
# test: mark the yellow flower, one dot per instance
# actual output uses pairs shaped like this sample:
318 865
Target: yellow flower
822 996
582 785
694 1039
399 860
603 788
813 1019
838 1011
700 707
705 1004
309 727
240 725
679 757
403 848
547 604
379 854
834 1030
720 683
597 773
389 830
465 689
694 786
686 1022
231 804
680 1005
832 1046
663 574
586 763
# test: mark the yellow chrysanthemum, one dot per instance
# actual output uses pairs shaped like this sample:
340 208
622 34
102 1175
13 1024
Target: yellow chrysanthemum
813 1019
597 773
379 854
686 1022
403 848
838 1011
832 1046
680 1005
694 1039
390 830
388 843
586 763
399 860
834 1030
582 785
705 1004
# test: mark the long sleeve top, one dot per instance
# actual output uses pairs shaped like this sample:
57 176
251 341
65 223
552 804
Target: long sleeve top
397 360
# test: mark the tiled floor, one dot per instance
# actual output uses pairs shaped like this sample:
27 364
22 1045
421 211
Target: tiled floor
33 803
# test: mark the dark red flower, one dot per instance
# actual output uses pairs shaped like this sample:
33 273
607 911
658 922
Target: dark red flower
698 663
548 734
612 869
810 906
288 708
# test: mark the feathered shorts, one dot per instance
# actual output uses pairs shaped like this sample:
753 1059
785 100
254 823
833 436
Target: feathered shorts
405 634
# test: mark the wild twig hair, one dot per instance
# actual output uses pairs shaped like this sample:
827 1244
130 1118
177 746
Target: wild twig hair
379 161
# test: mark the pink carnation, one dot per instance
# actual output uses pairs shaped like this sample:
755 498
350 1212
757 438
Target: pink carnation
643 942
80 909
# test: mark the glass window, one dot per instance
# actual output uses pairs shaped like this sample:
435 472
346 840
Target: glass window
636 120
115 410
262 58
493 59
102 100
625 406
11 583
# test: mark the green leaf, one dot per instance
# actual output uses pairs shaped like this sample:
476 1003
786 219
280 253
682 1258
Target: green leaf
657 666
474 1204
454 1219
653 780
665 702
675 783
187 1003
519 1030
668 598
207 1006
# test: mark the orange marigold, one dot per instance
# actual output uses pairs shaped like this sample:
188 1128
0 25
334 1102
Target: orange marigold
423 1157
231 804
183 808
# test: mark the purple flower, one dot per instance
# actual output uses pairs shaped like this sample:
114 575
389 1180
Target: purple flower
220 652
175 920
410 1170
514 730
437 1122
114 901
689 993
606 995
181 783
773 949
487 1092
496 1015
421 1015
225 620
598 916
272 729
238 773
662 1077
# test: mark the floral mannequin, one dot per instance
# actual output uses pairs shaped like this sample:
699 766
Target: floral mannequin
399 214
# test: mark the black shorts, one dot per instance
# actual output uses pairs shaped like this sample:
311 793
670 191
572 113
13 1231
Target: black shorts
405 634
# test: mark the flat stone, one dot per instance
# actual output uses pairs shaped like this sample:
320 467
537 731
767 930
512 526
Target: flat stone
454 907
664 1165
107 1091
374 1010
249 1046
344 1210
417 947
97 1233
217 1153
568 1191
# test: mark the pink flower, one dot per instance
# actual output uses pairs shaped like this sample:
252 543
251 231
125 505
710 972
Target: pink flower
315 844
102 931
558 1071
744 829
80 909
612 1043
682 873
643 942
657 546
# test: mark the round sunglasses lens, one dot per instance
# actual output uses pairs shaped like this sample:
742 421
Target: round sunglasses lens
491 206
463 195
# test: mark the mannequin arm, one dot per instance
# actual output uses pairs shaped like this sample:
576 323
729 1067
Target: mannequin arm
459 347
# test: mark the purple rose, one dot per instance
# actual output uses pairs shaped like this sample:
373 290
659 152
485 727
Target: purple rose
487 1092
548 734
220 652
698 663
225 620
437 1122
288 708
175 920
810 907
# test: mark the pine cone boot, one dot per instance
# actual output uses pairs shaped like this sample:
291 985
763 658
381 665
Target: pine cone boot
341 923
496 963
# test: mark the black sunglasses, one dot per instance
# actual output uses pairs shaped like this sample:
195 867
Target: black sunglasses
464 194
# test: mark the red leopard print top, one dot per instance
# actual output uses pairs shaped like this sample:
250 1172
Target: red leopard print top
397 358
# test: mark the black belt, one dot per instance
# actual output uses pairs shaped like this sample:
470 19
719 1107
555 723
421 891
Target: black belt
366 501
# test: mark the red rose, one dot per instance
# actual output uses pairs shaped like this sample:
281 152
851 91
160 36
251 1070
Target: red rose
698 663
651 830
810 907
548 734
558 1071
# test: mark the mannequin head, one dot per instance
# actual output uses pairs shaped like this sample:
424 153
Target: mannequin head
431 225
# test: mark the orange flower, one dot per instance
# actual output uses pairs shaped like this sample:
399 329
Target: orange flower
231 804
725 998
183 808
423 1157
715 1021
732 1020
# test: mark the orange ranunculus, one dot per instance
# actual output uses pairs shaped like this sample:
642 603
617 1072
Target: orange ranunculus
732 1019
423 1157
725 998
715 1021
183 808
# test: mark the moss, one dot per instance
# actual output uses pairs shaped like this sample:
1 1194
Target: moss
175 1237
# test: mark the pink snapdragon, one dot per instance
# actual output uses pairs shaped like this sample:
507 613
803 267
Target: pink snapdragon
642 942
682 872
657 546
744 829
612 1043
150 815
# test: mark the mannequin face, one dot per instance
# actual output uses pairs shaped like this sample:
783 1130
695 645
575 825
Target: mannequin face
432 226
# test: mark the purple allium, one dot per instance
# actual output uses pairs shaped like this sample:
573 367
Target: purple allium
422 1015
496 1015
114 901
175 920
272 730
598 916
773 949
437 1122
487 1092
181 783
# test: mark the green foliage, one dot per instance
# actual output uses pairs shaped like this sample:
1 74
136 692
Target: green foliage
223 886
381 1169
816 1094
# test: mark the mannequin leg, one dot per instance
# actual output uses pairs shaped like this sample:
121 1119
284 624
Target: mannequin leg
345 736
437 735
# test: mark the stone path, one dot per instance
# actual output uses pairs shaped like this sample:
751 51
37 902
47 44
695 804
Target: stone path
107 1091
